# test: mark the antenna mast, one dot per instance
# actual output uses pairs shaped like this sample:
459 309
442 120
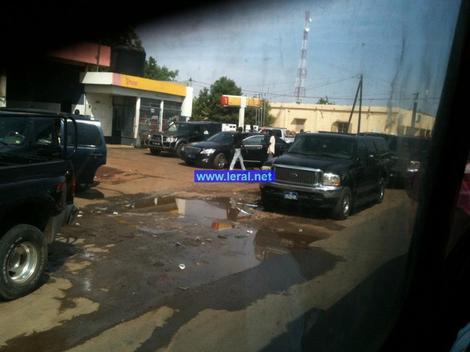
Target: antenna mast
299 90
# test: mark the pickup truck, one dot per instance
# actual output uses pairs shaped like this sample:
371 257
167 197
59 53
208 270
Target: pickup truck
327 170
36 195
281 133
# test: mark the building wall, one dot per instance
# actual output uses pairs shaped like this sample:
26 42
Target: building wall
100 106
319 117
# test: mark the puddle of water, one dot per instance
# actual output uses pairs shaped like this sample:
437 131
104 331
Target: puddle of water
269 242
220 208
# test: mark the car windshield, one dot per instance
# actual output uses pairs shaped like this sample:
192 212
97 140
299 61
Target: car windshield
222 137
324 146
180 128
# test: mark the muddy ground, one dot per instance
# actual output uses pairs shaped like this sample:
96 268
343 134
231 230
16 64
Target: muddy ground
155 262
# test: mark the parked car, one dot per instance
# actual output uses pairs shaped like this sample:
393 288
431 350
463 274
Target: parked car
91 150
327 170
255 149
36 195
407 154
282 133
182 133
216 152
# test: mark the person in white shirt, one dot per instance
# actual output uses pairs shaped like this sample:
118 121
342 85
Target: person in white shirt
272 145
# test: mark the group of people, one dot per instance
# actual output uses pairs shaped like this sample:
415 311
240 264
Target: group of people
269 139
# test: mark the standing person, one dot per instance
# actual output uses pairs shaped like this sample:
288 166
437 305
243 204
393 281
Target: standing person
237 144
272 145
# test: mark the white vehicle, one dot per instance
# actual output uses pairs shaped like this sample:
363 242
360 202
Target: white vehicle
229 127
283 133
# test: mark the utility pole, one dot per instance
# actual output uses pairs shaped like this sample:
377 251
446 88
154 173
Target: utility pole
415 108
358 90
299 90
360 107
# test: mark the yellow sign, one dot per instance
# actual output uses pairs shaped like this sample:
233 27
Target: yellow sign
149 84
235 100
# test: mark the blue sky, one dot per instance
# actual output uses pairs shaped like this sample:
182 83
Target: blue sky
400 46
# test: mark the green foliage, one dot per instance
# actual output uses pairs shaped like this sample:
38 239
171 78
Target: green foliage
161 73
207 105
325 101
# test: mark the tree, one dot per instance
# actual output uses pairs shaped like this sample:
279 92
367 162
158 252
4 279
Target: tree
207 105
264 116
127 37
162 73
325 101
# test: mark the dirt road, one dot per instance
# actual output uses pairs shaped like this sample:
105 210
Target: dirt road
204 267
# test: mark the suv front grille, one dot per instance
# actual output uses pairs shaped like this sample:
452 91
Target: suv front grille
297 176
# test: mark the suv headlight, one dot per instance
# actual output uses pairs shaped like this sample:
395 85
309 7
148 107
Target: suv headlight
330 179
208 151
171 139
413 166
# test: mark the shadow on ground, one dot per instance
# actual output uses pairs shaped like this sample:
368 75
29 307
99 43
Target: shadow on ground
91 194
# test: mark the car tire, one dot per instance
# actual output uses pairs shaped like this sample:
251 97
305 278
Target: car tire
344 205
380 191
220 161
23 259
154 151
179 151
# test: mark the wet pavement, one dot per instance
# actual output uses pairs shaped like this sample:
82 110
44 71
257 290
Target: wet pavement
139 269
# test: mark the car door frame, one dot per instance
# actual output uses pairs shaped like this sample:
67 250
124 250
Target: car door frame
255 153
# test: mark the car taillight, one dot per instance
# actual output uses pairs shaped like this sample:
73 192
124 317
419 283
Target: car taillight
60 187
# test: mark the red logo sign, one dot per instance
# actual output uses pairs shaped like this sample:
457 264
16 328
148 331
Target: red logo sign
224 100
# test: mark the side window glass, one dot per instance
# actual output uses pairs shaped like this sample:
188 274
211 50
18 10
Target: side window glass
256 140
362 150
370 146
45 133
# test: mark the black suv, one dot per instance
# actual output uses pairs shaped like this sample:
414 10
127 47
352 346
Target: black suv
91 150
181 133
408 152
327 170
36 194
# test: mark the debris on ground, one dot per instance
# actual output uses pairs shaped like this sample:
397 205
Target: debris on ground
77 224
250 205
79 215
182 266
221 225
115 213
183 288
178 244
301 230
222 236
